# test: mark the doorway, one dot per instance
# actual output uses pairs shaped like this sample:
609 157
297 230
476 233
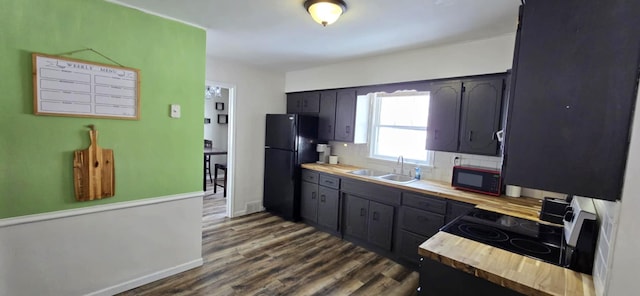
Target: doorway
219 106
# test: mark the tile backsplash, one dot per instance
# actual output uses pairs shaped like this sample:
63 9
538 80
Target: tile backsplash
442 169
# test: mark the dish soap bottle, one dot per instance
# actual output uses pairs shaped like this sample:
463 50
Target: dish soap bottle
418 173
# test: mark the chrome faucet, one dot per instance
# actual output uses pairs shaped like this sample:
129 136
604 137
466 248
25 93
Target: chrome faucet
400 161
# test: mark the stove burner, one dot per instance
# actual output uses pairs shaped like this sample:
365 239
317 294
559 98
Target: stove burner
483 232
530 246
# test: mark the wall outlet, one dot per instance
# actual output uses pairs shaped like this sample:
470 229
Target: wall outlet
175 111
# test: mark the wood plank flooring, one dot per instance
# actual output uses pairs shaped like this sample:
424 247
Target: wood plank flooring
262 254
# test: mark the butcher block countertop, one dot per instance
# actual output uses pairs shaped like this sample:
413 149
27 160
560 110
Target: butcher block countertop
523 207
520 273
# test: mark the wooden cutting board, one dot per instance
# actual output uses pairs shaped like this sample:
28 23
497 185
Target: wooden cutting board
93 171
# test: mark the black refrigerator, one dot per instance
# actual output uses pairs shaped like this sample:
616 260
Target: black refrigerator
290 141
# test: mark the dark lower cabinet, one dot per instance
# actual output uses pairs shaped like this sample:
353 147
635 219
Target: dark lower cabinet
441 280
355 216
408 247
421 216
456 209
328 208
369 221
380 228
309 201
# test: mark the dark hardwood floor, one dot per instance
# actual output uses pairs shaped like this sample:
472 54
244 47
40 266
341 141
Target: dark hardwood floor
261 254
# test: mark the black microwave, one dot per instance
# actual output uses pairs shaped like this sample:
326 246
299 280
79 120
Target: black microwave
477 179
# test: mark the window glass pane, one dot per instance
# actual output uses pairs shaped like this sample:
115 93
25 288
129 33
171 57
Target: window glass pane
410 110
410 144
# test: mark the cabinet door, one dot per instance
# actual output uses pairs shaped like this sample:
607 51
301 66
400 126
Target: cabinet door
327 115
456 209
574 92
311 102
380 225
355 216
345 115
309 201
294 103
481 106
408 247
444 116
328 207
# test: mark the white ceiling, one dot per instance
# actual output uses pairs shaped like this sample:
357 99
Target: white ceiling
280 35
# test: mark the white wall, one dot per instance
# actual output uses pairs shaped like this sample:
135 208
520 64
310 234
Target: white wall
625 251
100 250
470 58
258 92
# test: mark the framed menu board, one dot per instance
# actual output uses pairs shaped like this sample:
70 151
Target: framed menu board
71 87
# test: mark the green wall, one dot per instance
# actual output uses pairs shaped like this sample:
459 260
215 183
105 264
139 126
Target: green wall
154 156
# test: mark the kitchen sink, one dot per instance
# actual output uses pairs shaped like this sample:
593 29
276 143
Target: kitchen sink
397 178
369 173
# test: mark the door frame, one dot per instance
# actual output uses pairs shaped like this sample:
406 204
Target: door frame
231 143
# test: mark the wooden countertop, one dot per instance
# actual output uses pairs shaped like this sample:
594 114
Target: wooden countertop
520 273
523 207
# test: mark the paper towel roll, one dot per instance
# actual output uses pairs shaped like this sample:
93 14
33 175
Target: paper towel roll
513 191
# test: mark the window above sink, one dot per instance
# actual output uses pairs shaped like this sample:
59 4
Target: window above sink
399 126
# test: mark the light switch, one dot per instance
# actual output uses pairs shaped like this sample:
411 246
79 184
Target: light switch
175 111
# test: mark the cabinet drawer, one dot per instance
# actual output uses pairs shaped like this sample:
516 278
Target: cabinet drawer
422 202
380 193
330 181
420 222
310 176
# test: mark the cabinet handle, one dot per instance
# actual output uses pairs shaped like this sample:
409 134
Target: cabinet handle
329 128
348 129
298 103
362 212
470 136
306 103
435 134
375 216
313 195
322 198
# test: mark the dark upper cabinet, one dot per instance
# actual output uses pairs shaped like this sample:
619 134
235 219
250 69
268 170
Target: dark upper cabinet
303 102
444 116
346 103
574 89
465 115
327 115
480 116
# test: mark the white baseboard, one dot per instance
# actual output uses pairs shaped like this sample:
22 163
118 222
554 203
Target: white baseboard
143 280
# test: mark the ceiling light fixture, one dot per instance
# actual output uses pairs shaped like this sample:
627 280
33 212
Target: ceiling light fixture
325 12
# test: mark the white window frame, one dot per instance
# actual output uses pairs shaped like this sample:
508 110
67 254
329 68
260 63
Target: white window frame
375 119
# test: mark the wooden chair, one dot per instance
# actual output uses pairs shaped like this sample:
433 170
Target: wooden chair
222 167
207 161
